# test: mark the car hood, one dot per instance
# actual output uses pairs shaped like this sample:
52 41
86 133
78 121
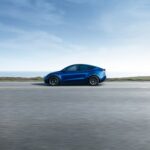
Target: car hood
52 73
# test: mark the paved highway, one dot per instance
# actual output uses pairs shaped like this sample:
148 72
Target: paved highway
112 116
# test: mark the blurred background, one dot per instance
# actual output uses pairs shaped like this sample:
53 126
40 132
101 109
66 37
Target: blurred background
40 36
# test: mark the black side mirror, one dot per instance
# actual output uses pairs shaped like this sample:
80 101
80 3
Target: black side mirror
63 70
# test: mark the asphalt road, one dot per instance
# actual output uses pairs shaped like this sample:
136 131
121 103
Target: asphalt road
112 116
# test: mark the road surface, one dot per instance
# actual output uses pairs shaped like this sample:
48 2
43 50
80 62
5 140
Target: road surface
112 116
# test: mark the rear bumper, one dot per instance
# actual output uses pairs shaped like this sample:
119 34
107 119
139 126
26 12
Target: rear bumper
103 79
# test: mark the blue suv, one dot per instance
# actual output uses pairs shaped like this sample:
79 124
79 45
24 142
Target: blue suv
76 74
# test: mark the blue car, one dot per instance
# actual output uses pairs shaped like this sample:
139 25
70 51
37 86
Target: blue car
76 74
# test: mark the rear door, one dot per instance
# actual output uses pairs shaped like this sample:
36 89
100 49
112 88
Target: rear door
84 70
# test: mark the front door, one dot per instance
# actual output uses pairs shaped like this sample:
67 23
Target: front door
72 75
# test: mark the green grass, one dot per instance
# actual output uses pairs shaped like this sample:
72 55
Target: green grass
21 79
39 79
138 78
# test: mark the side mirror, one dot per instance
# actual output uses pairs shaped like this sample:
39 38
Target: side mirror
63 70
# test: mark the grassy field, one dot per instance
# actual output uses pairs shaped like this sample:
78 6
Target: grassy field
138 78
20 79
38 79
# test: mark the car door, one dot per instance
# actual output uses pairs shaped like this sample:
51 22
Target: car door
84 71
72 74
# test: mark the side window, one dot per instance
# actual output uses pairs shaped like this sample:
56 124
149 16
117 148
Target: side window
90 67
72 68
85 67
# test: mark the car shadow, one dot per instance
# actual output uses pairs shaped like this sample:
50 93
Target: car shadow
66 85
39 84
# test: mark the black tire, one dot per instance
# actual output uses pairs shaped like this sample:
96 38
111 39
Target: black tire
93 81
53 81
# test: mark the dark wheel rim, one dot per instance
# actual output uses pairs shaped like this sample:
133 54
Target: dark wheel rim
53 81
93 81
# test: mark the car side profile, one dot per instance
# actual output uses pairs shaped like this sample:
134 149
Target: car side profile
76 74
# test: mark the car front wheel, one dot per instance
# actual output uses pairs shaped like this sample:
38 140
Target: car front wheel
53 81
93 81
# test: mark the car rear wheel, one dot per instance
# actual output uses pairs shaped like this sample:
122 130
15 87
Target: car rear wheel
93 81
53 81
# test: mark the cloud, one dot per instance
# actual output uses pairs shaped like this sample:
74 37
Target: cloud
36 50
39 50
29 12
120 17
84 1
123 24
43 34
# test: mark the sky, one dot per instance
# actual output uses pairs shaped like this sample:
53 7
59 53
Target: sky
47 35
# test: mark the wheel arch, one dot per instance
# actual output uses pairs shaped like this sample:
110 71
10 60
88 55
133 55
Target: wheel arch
56 76
96 76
